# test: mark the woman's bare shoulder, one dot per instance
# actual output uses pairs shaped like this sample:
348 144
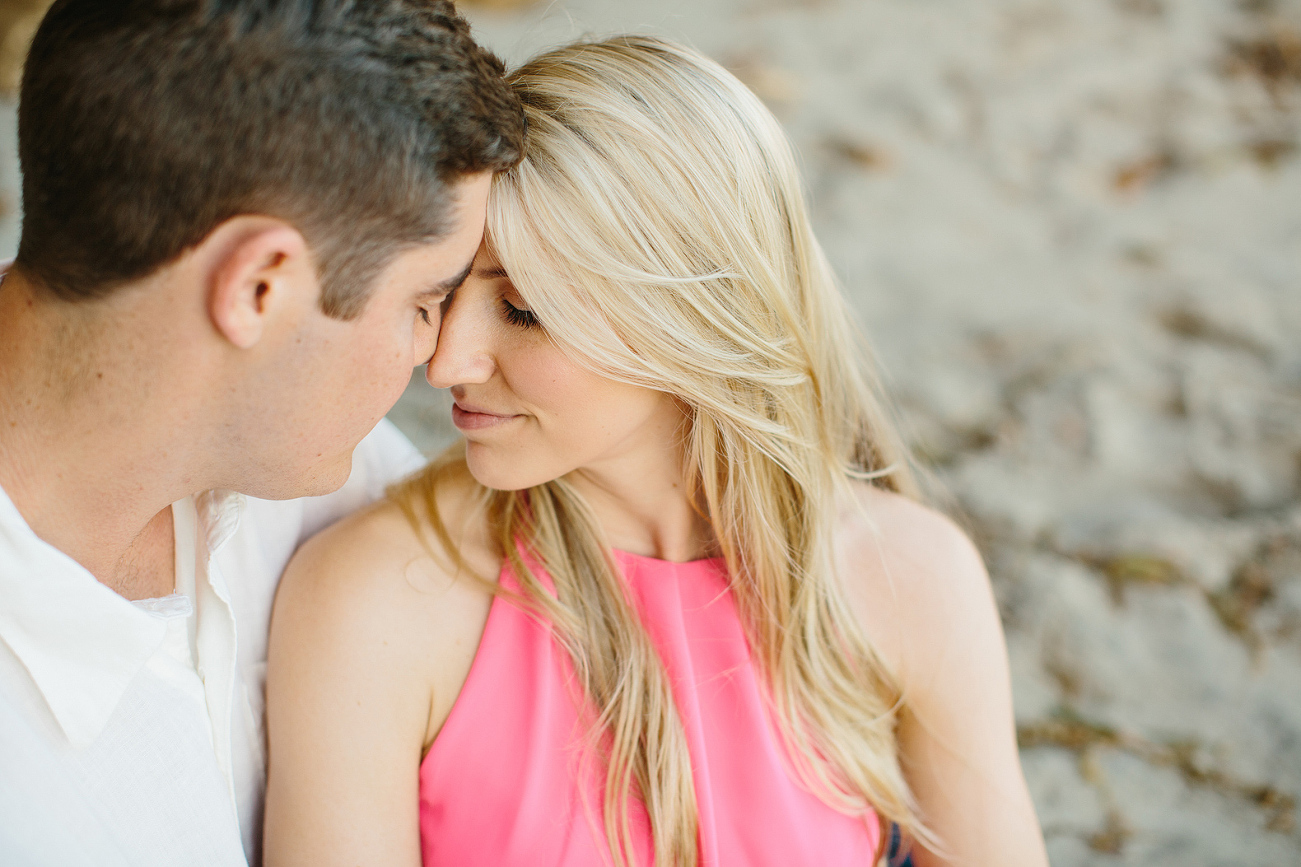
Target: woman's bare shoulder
924 598
913 576
357 554
377 593
372 636
896 544
387 550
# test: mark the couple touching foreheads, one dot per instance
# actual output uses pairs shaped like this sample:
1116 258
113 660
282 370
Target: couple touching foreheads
671 600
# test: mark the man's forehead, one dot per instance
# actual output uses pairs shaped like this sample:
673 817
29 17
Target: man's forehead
442 264
435 266
418 272
447 285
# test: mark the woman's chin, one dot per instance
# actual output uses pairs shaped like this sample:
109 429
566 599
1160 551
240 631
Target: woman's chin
492 471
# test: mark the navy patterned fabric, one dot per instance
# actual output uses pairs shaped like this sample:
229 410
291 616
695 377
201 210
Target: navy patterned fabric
898 856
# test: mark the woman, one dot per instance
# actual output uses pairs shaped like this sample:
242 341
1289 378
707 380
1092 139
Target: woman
672 600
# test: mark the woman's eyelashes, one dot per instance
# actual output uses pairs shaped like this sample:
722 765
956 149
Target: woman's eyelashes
518 316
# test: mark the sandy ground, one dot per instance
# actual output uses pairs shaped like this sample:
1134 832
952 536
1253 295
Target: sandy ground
1073 232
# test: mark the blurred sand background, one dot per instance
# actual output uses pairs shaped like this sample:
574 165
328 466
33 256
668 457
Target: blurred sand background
1072 229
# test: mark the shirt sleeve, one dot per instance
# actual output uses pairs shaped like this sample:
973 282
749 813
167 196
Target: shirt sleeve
382 458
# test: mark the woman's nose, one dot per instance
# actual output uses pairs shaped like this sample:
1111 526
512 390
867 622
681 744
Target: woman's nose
464 353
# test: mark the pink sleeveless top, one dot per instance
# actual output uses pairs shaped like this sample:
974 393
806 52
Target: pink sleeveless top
509 781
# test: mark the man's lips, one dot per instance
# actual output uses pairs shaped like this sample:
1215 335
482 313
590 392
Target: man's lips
467 417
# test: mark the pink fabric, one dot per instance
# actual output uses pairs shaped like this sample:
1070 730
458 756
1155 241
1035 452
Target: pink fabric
505 783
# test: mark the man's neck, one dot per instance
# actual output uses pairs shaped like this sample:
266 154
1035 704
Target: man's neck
148 568
84 454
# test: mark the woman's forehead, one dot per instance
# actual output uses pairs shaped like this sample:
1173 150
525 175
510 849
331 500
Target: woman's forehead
486 264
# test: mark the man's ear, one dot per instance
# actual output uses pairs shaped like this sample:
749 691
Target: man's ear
257 267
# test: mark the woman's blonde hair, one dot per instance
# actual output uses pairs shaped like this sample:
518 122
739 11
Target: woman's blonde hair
657 228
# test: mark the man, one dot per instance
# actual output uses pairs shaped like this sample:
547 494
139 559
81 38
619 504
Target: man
240 218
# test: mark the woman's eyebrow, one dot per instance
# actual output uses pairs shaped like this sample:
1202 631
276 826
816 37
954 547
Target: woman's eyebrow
490 273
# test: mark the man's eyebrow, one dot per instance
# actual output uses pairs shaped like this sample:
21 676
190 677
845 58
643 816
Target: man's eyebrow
451 283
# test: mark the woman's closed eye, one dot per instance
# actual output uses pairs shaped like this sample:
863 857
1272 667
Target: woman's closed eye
518 316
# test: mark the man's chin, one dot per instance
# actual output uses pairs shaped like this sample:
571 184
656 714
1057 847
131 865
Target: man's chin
315 481
328 479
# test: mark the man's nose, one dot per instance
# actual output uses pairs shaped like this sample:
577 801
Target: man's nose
464 353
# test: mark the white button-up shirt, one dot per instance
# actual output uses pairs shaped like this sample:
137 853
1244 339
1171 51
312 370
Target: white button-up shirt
130 733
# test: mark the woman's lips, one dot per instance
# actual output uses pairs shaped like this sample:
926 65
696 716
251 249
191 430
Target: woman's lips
473 418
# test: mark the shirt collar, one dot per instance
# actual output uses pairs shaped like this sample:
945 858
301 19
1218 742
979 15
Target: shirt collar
219 514
81 643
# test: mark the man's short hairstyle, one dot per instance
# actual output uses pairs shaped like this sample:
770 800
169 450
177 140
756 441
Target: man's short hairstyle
144 124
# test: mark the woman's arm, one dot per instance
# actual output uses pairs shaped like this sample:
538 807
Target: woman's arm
926 602
366 656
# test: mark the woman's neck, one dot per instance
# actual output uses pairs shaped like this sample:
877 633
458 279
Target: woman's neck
643 501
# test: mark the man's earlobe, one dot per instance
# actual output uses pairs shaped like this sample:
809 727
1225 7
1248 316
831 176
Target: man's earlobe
258 268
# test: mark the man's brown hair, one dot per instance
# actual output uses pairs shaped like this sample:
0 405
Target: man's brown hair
144 124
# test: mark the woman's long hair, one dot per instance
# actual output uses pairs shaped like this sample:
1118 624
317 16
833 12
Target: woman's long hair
658 229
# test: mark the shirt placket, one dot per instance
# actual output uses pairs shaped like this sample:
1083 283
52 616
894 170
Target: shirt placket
216 638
